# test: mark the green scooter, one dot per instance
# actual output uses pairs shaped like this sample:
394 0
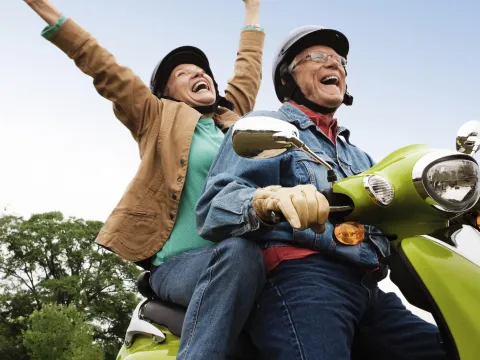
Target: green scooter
425 200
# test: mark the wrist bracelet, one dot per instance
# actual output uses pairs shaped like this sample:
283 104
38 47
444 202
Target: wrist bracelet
252 27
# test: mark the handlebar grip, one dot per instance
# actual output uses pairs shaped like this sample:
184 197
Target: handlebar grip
276 217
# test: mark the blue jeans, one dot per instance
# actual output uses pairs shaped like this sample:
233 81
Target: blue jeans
319 308
218 285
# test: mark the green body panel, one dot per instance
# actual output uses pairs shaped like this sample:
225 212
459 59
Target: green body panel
454 283
398 217
144 348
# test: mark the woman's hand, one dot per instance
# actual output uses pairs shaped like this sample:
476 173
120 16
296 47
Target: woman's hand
45 10
33 2
252 12
250 3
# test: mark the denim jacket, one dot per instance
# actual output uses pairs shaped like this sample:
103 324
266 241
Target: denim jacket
225 207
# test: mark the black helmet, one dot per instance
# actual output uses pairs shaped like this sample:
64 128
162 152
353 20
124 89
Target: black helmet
184 55
295 42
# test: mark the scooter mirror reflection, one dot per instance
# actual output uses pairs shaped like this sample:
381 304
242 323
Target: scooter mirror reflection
263 137
468 137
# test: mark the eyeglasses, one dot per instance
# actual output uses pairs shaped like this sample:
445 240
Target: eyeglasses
319 57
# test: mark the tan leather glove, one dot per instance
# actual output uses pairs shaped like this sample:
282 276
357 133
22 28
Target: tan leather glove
303 206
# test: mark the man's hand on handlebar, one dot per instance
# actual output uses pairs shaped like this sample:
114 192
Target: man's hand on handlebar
302 206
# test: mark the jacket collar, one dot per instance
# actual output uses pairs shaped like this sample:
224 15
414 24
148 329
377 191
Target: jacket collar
302 121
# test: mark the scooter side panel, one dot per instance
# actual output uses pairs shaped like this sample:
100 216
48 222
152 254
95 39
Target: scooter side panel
144 348
454 283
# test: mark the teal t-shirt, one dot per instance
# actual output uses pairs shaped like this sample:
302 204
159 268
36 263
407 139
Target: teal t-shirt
206 141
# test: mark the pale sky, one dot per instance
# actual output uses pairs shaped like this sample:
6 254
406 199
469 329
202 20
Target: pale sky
412 70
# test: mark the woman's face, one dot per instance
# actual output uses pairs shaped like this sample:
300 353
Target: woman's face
190 84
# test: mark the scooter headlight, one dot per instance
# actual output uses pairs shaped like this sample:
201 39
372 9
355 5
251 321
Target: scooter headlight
450 183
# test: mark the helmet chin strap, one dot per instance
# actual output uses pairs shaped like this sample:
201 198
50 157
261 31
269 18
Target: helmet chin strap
300 99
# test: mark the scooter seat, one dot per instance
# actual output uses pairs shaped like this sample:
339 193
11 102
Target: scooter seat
143 285
171 316
165 314
160 312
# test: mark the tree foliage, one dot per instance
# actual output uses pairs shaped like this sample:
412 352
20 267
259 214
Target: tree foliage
71 338
50 259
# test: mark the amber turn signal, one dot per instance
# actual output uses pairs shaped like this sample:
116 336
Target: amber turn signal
349 233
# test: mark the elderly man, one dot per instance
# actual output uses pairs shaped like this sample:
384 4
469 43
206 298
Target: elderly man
321 300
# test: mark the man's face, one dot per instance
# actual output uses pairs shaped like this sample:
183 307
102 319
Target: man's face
190 84
321 82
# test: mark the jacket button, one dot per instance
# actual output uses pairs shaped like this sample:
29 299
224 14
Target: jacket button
182 161
180 179
174 197
172 216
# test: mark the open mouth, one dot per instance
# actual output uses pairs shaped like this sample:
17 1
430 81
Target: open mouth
331 84
201 85
330 80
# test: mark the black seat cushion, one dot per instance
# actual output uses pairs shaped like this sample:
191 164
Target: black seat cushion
165 314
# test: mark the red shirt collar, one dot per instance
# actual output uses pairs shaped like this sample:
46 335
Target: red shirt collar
328 127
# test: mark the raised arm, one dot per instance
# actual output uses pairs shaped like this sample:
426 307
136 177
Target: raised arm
135 106
243 87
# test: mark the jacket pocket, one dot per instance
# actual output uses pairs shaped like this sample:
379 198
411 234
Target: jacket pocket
138 227
356 162
310 171
352 169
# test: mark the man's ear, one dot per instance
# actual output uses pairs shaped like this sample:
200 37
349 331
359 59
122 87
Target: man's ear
283 82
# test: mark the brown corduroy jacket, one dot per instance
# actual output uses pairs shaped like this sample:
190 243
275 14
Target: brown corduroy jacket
144 217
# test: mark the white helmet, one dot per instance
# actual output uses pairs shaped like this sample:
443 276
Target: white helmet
298 40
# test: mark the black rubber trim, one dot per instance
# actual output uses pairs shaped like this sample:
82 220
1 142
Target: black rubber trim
145 264
143 285
336 199
448 341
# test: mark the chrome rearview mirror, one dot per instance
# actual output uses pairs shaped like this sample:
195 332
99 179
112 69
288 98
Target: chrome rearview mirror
260 137
468 137
255 137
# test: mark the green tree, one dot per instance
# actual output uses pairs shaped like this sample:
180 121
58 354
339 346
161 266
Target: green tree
11 346
49 259
59 332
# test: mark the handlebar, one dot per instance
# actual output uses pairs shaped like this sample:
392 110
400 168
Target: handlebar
339 207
